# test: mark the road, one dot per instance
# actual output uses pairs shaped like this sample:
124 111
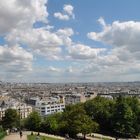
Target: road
15 136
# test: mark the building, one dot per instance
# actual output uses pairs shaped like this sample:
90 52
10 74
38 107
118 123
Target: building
50 106
22 109
2 113
74 98
32 101
6 102
46 109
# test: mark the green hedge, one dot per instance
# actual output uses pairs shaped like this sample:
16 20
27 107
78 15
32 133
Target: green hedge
2 134
41 138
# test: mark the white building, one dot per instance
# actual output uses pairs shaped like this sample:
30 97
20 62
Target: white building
50 106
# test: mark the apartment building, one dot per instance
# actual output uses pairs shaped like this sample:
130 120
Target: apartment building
50 106
47 109
74 98
6 102
24 110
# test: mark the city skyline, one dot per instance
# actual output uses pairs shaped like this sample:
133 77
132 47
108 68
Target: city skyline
69 41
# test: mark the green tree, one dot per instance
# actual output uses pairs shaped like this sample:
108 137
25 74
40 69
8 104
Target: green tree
123 118
134 104
85 125
33 121
100 110
51 123
76 121
11 119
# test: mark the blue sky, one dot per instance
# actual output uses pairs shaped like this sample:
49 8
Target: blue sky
69 40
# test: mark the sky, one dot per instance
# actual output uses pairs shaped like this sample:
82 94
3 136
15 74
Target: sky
69 40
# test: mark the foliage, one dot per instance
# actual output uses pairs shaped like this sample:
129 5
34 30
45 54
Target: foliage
2 135
119 117
100 109
76 121
33 121
29 137
51 124
11 119
125 117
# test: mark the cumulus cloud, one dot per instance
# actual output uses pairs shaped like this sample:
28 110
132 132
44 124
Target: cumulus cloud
61 16
123 37
15 58
43 41
53 69
20 36
80 51
21 14
119 34
16 17
66 14
101 21
69 9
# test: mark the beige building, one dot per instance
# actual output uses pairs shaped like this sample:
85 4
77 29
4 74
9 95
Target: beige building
74 98
77 98
23 110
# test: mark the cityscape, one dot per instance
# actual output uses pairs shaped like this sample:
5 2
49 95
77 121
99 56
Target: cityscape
51 98
69 70
47 98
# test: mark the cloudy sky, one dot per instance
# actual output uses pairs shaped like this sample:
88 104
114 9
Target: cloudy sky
69 40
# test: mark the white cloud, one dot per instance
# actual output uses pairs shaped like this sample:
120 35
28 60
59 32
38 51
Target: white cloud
122 60
119 34
124 39
15 59
53 69
101 21
42 41
65 32
61 16
66 14
80 51
21 14
69 9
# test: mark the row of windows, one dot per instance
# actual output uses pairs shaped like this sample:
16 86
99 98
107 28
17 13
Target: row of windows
43 108
54 110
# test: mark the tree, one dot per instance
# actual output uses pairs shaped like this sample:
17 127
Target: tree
76 121
123 118
134 104
100 110
11 119
33 121
51 123
85 125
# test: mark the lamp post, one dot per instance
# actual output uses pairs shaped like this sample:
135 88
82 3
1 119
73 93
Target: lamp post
19 119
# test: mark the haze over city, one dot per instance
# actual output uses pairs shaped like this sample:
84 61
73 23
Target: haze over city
69 40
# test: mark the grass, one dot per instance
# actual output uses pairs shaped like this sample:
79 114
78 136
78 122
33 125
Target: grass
102 138
2 135
33 137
